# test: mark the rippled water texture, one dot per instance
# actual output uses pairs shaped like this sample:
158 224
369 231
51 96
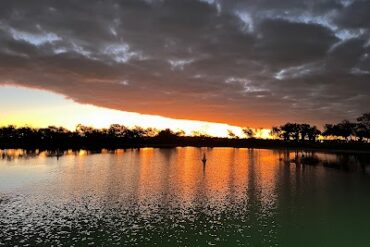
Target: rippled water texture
167 197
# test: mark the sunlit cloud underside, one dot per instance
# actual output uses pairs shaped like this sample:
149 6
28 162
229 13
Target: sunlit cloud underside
37 108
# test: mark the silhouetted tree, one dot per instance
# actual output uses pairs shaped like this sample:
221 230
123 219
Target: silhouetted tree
231 134
53 133
167 134
248 132
8 132
289 130
135 133
346 129
343 129
84 131
360 131
313 133
25 133
151 132
363 127
276 132
117 130
286 131
296 132
304 131
330 130
364 119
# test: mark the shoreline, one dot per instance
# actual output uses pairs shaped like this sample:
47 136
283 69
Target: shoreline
328 147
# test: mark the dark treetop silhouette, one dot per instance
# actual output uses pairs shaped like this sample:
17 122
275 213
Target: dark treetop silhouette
343 135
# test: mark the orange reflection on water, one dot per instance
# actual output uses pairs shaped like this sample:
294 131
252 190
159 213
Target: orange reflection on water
177 176
147 174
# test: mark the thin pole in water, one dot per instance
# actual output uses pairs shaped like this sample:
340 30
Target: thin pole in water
204 159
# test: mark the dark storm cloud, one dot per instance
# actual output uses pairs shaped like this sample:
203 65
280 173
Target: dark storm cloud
241 62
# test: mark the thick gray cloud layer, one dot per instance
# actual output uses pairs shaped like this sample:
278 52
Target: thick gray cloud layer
241 62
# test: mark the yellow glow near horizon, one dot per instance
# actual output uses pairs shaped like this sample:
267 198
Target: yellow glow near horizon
38 109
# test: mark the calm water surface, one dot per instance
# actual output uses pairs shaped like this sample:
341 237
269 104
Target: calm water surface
167 197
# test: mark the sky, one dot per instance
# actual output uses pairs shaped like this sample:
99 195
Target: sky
244 63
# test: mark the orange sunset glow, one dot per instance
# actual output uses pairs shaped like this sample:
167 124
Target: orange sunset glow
47 109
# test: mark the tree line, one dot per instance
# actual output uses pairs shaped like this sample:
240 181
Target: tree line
121 136
116 136
342 131
82 132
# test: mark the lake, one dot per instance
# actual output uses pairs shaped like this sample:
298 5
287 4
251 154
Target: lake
169 197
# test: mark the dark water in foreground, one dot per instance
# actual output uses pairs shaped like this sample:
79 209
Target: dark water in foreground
166 197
